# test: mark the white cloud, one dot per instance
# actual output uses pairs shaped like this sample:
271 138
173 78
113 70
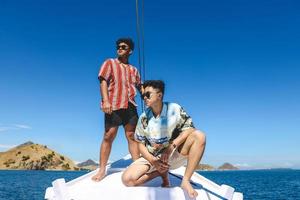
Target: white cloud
7 146
76 162
22 126
288 164
242 165
5 128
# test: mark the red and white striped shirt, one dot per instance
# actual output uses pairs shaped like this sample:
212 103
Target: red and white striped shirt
122 80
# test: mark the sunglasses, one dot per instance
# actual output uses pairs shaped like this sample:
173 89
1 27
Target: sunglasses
147 95
122 47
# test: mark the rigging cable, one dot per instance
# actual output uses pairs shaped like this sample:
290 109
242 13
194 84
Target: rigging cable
140 41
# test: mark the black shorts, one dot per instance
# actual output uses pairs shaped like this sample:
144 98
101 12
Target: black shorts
121 117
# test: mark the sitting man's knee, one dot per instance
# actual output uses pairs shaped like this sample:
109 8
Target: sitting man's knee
126 179
200 136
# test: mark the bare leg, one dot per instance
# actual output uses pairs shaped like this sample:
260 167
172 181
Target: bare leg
146 177
132 144
105 149
149 176
136 175
134 172
165 179
193 147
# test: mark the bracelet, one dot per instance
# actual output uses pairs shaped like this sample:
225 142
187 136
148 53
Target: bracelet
173 144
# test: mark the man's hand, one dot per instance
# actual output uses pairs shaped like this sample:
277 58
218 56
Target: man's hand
160 166
106 107
166 154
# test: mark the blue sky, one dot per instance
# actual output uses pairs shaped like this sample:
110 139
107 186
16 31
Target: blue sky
233 65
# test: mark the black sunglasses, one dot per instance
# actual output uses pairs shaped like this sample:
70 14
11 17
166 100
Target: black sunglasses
146 94
123 47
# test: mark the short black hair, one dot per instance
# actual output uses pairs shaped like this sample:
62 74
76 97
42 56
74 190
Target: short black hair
127 41
156 84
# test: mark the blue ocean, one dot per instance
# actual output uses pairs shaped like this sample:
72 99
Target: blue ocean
255 184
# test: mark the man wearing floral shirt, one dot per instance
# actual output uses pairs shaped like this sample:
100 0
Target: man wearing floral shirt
167 139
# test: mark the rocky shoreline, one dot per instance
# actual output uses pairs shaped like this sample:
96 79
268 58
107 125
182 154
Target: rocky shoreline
31 156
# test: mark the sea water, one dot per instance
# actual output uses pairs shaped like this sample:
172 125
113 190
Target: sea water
260 184
254 184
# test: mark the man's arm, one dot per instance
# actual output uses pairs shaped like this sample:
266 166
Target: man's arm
106 106
103 76
145 153
182 137
175 144
159 166
185 126
139 84
140 88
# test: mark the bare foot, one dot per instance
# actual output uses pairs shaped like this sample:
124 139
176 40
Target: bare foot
166 183
186 185
165 179
99 176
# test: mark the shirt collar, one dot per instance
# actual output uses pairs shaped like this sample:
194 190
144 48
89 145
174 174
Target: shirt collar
119 62
164 111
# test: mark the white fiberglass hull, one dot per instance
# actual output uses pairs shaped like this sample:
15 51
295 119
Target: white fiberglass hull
111 187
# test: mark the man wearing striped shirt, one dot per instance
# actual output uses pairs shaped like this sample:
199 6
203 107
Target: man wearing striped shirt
118 83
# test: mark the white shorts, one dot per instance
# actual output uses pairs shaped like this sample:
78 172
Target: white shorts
176 160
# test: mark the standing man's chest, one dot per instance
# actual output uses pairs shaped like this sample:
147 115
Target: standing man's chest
123 74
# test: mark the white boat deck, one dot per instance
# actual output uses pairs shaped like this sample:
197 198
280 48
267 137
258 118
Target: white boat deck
111 187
